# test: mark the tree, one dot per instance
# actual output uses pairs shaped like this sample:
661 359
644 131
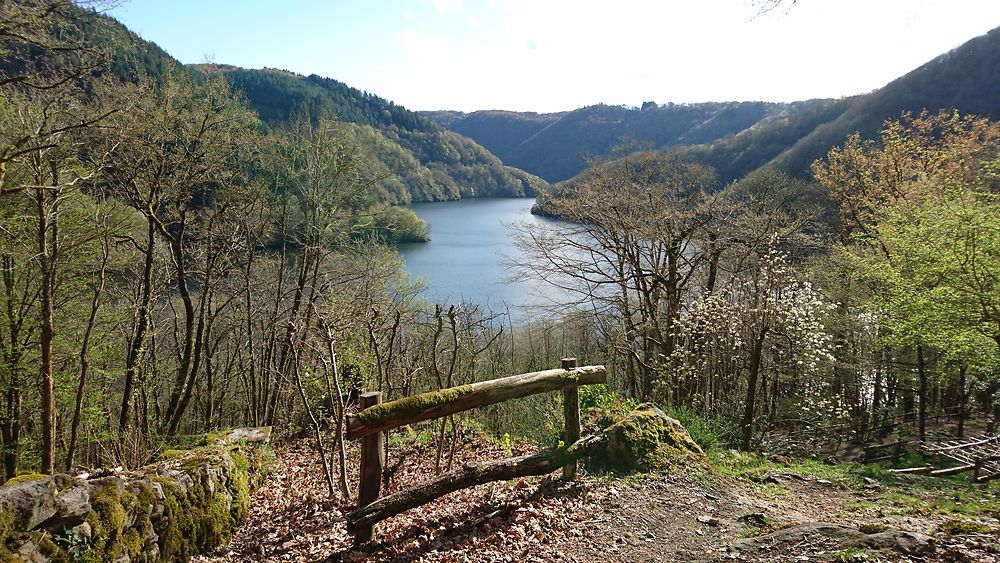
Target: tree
181 165
762 321
631 253
916 209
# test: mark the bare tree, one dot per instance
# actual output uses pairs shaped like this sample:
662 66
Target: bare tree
631 253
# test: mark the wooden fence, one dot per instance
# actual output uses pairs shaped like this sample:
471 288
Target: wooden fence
980 454
374 418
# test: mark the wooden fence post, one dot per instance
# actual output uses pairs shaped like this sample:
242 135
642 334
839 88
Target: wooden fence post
571 412
372 462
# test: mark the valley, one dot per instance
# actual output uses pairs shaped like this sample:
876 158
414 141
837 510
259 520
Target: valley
251 310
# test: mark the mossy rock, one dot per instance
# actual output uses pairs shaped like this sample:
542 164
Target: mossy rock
189 503
25 478
647 440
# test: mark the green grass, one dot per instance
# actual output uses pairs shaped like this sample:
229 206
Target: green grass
960 526
900 494
711 433
853 554
405 435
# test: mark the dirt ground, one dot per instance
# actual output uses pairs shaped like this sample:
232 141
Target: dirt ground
687 514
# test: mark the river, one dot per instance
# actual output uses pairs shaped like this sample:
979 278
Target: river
468 257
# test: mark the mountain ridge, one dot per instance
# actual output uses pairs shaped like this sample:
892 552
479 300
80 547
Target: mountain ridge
737 137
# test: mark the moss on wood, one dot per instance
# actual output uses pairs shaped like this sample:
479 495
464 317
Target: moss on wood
410 406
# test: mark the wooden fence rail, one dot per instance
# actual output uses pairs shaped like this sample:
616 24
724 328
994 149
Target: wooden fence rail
375 418
435 404
976 454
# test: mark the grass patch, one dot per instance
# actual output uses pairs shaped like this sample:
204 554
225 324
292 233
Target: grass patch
901 493
853 554
711 433
961 527
858 505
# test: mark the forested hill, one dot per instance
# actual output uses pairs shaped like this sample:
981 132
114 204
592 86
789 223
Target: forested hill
426 161
421 160
556 146
737 138
965 79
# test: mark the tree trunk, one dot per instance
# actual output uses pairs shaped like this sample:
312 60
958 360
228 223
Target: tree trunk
875 417
46 260
922 374
95 304
188 369
135 348
962 397
10 422
748 409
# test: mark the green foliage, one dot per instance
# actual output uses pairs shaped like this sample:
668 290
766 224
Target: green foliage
603 407
424 162
711 432
393 224
922 214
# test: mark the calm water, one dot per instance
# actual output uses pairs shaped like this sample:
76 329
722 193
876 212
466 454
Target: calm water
471 246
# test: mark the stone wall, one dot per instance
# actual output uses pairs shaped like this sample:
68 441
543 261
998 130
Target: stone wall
187 504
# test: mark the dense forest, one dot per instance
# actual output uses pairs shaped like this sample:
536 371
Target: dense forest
421 160
185 250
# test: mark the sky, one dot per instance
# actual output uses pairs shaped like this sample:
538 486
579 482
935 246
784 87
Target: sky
556 55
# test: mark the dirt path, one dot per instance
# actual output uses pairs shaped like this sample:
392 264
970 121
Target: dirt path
690 514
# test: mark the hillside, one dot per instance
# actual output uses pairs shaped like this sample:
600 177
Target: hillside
965 79
737 137
426 161
556 146
422 160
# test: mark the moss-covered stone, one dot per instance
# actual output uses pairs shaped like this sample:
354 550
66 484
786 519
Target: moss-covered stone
647 440
187 504
26 477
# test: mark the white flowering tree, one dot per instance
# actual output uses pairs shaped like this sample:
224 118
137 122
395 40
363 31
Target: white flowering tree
763 327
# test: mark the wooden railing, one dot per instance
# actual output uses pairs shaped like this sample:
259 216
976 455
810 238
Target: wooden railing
375 417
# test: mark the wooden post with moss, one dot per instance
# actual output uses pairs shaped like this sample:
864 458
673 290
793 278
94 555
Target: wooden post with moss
372 462
435 404
571 412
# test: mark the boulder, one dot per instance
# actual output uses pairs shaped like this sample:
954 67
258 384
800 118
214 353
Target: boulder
832 537
57 501
647 440
259 435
